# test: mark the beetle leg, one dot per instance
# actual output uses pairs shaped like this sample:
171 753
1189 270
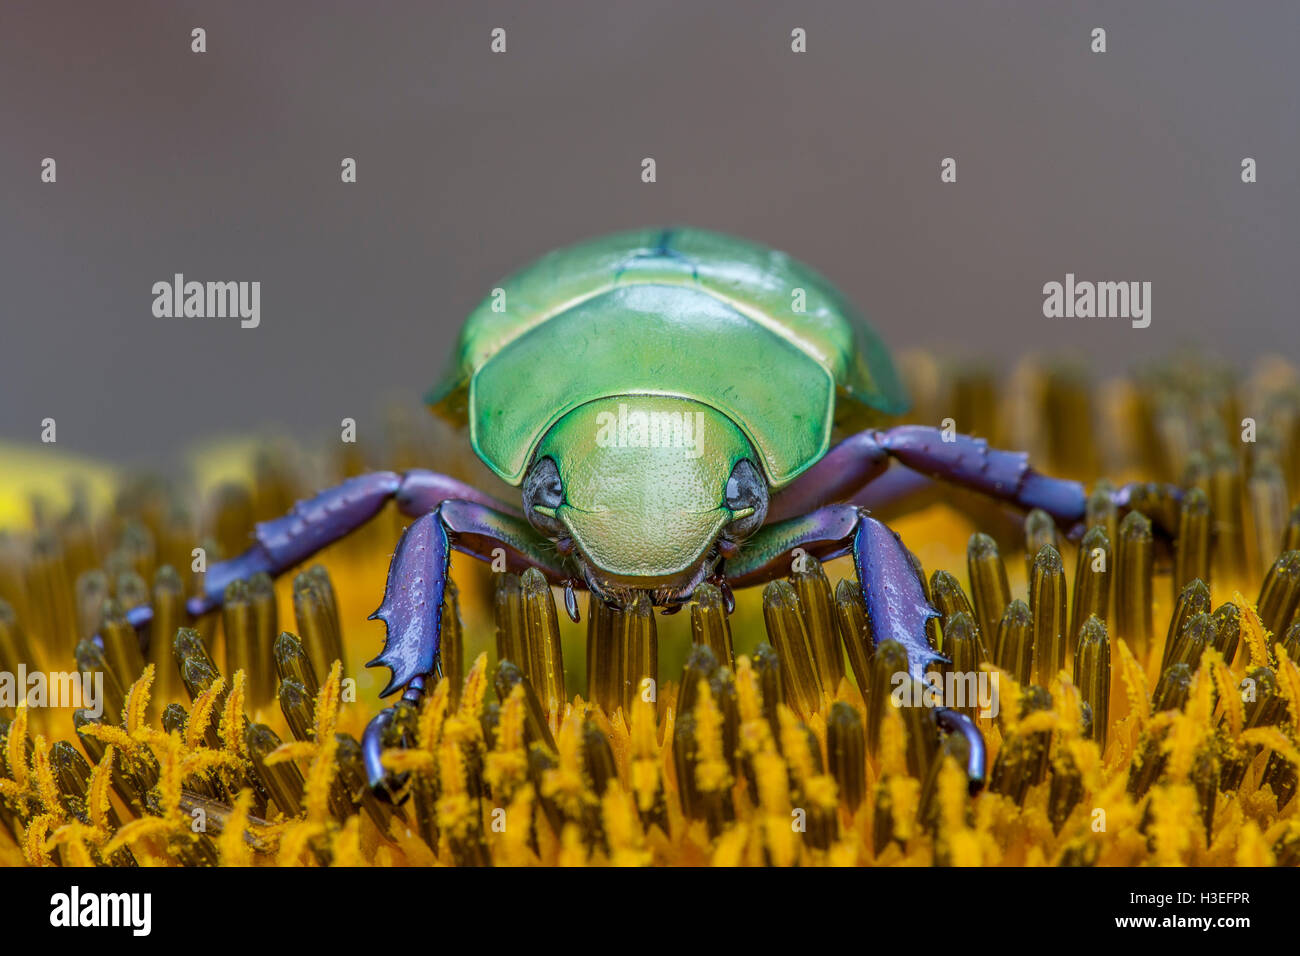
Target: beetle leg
313 523
966 461
413 597
955 722
412 606
417 578
282 543
1007 476
837 476
384 784
891 589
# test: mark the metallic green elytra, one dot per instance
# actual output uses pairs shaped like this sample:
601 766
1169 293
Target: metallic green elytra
726 335
601 318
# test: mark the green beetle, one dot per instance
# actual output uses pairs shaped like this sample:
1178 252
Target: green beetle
735 352
675 405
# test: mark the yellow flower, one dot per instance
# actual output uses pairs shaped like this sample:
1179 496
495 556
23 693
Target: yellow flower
1159 725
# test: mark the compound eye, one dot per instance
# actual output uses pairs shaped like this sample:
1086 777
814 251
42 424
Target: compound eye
746 498
543 493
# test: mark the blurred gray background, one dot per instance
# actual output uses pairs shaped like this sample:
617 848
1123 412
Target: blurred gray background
225 166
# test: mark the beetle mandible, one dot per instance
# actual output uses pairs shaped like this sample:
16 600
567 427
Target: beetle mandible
670 416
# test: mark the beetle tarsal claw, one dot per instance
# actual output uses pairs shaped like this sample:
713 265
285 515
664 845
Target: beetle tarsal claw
570 601
728 596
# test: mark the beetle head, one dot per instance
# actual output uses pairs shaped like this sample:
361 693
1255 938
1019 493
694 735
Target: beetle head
650 490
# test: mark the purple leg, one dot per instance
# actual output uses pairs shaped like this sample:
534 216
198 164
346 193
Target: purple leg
417 578
282 543
412 606
412 616
891 589
970 462
413 598
841 472
449 514
895 600
963 460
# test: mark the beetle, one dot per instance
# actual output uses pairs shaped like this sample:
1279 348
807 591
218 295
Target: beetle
674 405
